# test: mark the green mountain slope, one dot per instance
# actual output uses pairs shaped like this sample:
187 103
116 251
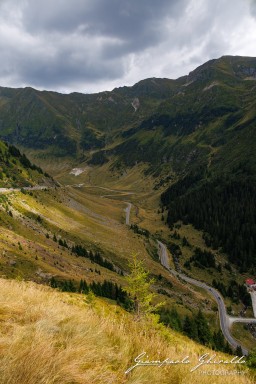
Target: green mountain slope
183 122
197 131
70 124
16 170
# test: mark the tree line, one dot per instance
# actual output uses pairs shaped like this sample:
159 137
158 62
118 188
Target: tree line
106 289
196 328
96 257
81 251
224 208
237 292
201 259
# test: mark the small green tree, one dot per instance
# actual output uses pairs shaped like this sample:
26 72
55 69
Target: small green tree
90 298
138 287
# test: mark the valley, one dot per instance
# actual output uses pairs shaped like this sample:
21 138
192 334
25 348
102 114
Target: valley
141 215
51 221
164 170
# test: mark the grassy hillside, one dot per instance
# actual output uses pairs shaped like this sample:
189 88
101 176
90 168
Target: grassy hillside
41 230
35 224
17 171
52 337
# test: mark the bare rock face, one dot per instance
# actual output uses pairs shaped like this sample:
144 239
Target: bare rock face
136 103
247 72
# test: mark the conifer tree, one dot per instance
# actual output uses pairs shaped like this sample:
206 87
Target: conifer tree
190 328
204 333
138 288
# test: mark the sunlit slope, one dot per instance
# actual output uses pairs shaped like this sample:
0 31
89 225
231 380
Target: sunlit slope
52 337
35 224
17 171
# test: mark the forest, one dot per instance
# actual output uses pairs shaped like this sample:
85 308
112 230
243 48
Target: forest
224 209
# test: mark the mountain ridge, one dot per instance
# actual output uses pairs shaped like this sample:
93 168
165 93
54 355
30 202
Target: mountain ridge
76 123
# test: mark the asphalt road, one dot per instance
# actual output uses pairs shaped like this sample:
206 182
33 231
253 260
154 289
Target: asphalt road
163 256
35 188
127 213
118 193
225 320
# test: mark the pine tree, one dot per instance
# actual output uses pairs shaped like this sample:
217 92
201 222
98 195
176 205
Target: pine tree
138 288
219 341
204 333
90 298
190 328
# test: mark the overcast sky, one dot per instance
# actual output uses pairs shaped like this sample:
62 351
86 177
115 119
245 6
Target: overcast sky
95 45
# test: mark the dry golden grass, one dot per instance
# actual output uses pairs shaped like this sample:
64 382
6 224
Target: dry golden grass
79 216
51 337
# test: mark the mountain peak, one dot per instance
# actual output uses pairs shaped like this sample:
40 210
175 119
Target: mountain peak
239 67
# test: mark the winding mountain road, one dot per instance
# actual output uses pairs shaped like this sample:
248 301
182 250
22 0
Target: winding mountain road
127 213
225 320
118 193
34 188
163 255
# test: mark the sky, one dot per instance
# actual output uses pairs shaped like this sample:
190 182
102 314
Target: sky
95 45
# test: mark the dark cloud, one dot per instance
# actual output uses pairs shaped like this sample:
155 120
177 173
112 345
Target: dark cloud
253 7
111 17
136 24
65 70
99 44
87 40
